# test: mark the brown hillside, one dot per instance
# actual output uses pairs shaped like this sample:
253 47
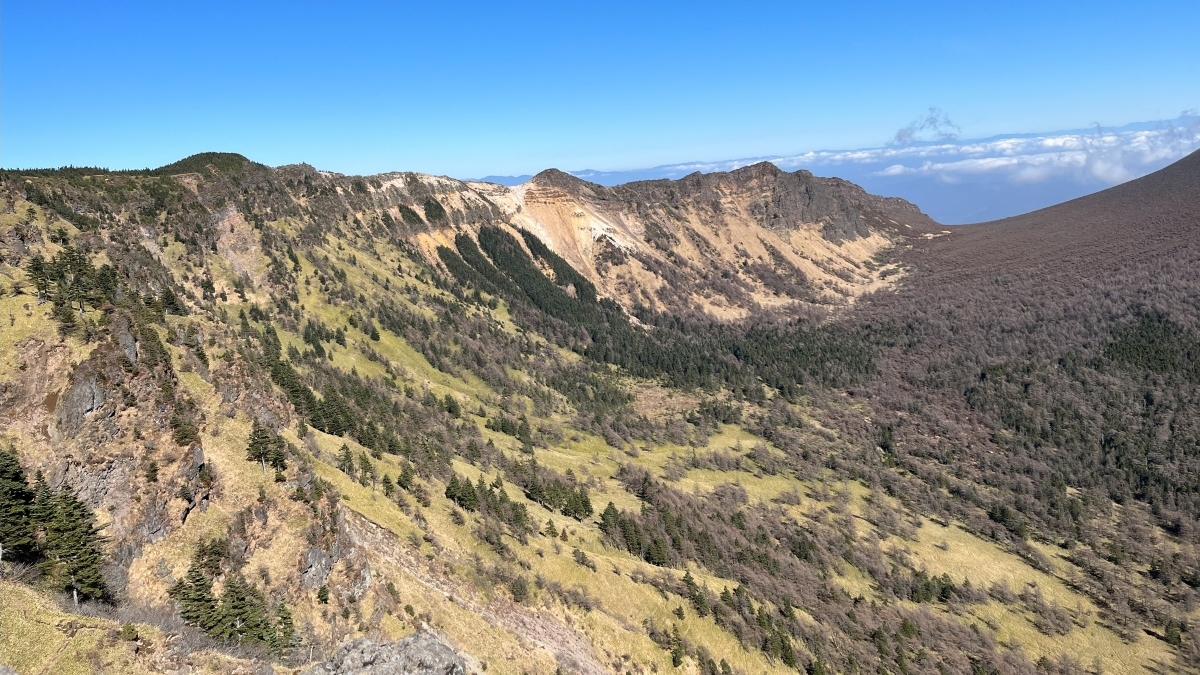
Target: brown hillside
1137 221
730 245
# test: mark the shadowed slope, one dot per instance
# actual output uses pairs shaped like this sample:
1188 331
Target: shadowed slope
1136 221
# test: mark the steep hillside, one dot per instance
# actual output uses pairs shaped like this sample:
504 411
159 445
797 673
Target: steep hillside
732 245
280 409
1049 377
1144 220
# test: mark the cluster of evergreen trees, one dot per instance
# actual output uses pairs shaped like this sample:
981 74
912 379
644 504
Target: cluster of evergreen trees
685 354
316 332
241 613
53 529
564 496
72 283
489 499
1156 343
506 425
623 530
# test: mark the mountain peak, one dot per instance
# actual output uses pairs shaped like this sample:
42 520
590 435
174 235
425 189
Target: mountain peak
221 162
557 178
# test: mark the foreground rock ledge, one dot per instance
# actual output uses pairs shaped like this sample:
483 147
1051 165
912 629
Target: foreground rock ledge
421 653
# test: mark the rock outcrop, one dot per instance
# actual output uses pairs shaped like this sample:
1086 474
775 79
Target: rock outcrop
421 653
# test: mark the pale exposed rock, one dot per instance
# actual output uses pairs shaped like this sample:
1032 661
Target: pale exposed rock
421 653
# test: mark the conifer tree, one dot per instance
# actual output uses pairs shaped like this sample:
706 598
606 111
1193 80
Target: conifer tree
265 447
277 458
43 500
453 407
242 612
38 275
695 594
197 604
657 553
727 597
72 547
366 470
285 629
16 503
677 651
578 505
259 447
1172 634
406 477
610 521
346 460
482 492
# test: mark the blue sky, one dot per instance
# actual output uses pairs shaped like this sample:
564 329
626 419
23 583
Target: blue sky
471 89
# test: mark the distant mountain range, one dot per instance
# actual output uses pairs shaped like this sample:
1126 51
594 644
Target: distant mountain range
963 181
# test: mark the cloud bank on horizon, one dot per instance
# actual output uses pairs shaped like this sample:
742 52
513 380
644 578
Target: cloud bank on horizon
962 181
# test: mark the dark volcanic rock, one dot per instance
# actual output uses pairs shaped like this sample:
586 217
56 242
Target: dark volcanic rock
421 653
125 340
84 397
317 565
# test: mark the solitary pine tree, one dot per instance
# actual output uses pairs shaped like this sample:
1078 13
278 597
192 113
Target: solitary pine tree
16 502
453 407
346 460
265 447
259 445
677 650
366 470
610 521
406 477
285 629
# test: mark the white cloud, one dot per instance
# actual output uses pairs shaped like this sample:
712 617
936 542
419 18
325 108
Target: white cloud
992 177
1087 156
1108 157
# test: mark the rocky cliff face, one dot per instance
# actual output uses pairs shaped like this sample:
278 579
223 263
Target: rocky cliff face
751 241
